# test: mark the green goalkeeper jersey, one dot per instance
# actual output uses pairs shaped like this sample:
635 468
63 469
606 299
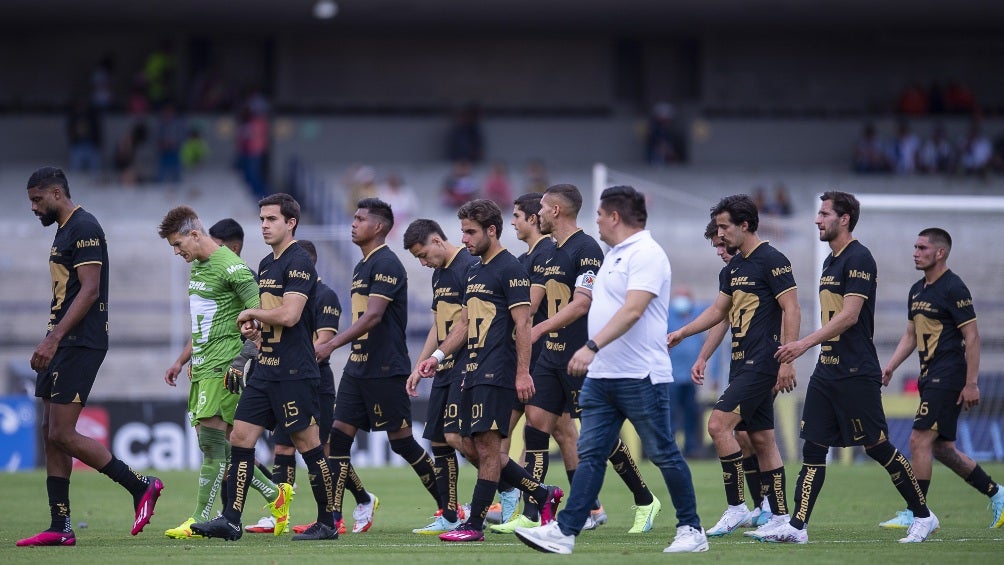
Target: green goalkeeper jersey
218 290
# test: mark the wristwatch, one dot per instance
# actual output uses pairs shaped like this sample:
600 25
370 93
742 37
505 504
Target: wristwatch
591 346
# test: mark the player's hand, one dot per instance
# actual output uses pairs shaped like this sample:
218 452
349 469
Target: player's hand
412 383
785 379
673 339
171 376
579 363
323 350
428 367
970 396
524 387
44 353
697 372
790 351
240 369
251 330
886 376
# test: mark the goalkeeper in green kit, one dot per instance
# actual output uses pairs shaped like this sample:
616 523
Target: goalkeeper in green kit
220 287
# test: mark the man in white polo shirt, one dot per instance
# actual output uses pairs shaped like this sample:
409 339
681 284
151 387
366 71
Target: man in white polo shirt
629 376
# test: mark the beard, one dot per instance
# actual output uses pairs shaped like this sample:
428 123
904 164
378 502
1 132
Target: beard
828 234
48 218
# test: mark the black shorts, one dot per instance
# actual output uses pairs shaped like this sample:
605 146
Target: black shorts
444 412
751 396
939 411
70 376
324 421
486 408
281 406
373 404
556 391
844 412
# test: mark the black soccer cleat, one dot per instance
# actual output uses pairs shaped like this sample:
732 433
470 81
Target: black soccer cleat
317 531
218 527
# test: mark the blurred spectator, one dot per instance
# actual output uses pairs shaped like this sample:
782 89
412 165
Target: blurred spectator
208 92
459 187
782 201
84 134
869 155
936 154
362 184
464 141
997 161
975 152
126 150
194 150
536 176
913 101
959 98
663 141
760 200
903 149
252 149
170 135
158 70
401 197
497 187
686 415
102 94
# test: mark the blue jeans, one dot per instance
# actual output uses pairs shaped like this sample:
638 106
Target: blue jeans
605 404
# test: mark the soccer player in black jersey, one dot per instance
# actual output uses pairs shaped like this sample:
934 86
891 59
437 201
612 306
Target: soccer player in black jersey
283 390
426 241
843 403
757 294
68 358
568 273
228 232
371 393
495 326
751 465
942 322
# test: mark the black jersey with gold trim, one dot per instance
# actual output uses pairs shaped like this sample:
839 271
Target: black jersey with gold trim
79 241
287 353
448 284
533 261
492 289
327 313
939 311
383 351
573 264
850 271
754 282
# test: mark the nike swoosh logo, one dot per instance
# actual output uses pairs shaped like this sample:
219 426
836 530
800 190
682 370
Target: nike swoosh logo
734 270
469 279
859 438
548 260
380 424
914 297
288 424
475 422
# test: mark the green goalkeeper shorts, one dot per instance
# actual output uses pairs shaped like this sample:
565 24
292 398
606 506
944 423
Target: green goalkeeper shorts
208 398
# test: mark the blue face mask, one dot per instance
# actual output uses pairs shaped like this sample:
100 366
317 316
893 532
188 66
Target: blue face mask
681 305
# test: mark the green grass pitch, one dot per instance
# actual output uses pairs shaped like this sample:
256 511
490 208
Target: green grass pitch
843 529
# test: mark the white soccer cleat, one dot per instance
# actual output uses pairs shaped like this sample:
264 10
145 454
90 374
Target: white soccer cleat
767 526
785 533
547 538
688 540
733 518
362 516
921 528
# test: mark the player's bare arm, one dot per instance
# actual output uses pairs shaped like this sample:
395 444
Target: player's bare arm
791 319
171 376
711 315
89 276
578 307
375 308
837 325
970 395
453 342
524 382
714 338
430 345
904 348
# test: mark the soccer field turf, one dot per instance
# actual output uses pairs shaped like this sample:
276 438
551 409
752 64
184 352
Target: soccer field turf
843 529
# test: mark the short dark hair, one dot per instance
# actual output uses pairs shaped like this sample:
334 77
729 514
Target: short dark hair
420 230
48 177
844 203
627 202
227 230
309 247
711 230
288 206
740 208
937 236
380 209
529 203
179 220
485 212
569 193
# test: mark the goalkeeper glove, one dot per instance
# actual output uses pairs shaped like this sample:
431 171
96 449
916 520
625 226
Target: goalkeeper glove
239 371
